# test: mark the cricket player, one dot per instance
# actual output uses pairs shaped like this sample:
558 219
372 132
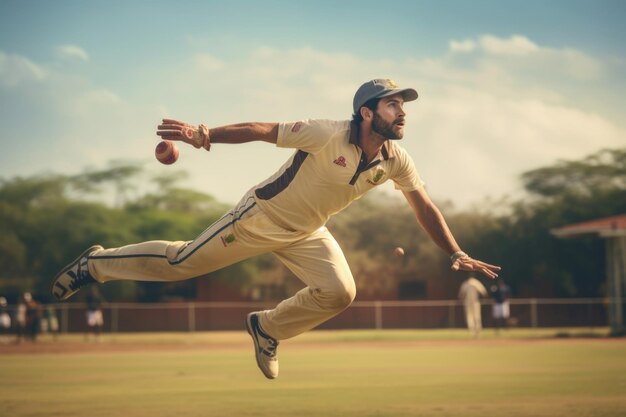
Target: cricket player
501 308
470 292
334 163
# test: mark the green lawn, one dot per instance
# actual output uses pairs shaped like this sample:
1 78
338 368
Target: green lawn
359 373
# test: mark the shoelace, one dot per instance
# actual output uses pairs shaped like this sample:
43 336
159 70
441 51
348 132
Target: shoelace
271 348
82 278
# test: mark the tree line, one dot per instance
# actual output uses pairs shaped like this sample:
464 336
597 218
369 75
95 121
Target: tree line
45 220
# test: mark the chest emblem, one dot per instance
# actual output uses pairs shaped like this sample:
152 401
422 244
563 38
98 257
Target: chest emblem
341 161
380 173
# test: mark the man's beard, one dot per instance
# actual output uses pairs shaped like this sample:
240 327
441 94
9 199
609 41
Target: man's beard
384 129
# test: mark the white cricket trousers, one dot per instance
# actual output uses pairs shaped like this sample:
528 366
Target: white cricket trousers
473 317
245 231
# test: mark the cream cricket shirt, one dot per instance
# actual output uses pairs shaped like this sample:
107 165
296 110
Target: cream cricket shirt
327 172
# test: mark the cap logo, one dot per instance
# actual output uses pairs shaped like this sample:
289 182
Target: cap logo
391 84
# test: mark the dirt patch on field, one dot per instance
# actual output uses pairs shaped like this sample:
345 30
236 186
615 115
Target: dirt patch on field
102 347
235 341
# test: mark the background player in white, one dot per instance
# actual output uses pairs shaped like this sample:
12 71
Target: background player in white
470 292
335 162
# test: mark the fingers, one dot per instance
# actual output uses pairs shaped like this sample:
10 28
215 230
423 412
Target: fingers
492 267
171 135
488 273
171 125
469 264
173 122
171 129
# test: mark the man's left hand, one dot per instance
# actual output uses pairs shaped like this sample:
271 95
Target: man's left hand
466 263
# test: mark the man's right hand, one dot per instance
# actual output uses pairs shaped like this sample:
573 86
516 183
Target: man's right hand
171 129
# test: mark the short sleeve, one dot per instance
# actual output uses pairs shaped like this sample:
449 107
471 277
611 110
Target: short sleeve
307 135
406 177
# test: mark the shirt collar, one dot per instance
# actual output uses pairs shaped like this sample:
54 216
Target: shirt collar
387 151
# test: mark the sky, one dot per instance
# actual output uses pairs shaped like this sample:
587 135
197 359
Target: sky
504 86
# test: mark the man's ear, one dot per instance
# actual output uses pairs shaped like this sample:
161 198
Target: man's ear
366 113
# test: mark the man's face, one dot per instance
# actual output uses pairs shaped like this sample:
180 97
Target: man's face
388 118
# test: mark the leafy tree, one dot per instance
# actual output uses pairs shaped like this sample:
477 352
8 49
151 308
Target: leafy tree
46 220
567 192
44 223
596 175
121 174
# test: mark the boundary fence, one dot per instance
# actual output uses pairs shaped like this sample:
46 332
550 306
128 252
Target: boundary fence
207 316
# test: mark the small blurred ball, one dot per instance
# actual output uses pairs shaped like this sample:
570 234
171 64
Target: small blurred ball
398 251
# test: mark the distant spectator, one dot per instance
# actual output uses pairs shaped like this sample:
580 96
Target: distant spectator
501 310
470 292
95 320
33 317
20 318
5 318
50 322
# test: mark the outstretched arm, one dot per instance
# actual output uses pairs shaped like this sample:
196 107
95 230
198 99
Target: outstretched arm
431 219
201 136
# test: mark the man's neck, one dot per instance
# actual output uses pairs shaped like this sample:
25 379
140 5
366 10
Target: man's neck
370 142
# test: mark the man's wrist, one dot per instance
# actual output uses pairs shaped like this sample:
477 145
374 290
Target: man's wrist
194 136
457 255
206 138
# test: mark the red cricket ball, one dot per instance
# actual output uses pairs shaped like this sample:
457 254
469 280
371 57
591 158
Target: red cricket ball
166 152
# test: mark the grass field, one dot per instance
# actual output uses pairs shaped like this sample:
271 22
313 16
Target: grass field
323 373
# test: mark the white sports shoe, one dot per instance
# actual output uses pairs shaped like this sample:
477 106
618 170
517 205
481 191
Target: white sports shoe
264 347
73 276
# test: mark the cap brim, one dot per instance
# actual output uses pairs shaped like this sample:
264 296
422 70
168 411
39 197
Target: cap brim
408 94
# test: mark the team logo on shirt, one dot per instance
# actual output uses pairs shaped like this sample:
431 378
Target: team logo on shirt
296 127
341 161
380 173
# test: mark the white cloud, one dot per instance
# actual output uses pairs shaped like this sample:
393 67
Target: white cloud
73 52
515 45
578 64
488 121
91 99
61 110
208 63
467 142
517 54
489 109
16 70
466 45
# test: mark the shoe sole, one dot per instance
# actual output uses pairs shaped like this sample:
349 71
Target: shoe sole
256 347
69 266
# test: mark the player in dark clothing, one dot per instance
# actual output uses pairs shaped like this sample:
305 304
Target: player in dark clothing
501 311
95 320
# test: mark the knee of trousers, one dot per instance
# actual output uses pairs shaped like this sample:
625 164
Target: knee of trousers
336 298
